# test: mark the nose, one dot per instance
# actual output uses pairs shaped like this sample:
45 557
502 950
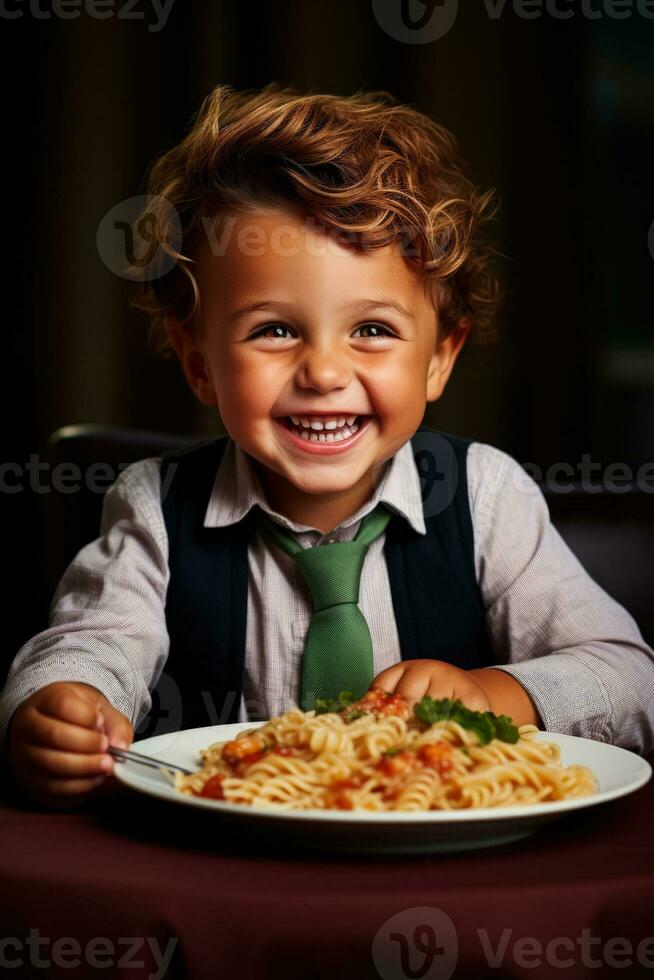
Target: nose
323 369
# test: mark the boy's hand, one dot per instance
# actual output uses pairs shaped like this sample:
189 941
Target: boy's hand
484 689
415 678
57 739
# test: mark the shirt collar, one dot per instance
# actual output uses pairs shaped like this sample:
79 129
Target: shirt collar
237 489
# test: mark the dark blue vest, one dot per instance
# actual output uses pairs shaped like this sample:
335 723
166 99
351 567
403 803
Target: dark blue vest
436 599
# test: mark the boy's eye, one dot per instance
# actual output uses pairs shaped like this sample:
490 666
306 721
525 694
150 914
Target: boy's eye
375 330
276 331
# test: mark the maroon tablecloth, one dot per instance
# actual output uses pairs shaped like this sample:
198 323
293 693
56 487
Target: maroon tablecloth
130 886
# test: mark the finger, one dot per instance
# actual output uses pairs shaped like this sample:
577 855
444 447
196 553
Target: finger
118 728
469 696
474 699
387 679
441 687
414 683
68 707
51 733
120 741
65 765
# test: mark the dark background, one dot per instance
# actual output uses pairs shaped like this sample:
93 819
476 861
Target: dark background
557 115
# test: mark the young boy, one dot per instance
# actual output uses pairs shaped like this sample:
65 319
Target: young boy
331 270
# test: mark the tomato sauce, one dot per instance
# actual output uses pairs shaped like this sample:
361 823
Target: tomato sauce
213 787
382 703
438 756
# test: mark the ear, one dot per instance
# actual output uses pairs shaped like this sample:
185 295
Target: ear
444 358
192 360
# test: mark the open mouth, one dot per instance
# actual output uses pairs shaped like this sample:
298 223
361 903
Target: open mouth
327 428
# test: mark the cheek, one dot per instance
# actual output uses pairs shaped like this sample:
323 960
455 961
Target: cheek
398 387
248 387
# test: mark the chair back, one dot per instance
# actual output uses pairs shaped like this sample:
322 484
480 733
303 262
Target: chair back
612 535
98 454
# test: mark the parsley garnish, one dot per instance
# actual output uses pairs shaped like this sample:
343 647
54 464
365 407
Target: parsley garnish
484 724
504 728
323 706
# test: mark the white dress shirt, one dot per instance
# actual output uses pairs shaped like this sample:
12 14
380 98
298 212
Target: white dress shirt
577 652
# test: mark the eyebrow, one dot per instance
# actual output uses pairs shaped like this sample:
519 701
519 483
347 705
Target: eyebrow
356 306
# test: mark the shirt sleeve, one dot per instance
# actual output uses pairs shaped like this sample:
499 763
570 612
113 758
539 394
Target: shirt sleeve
577 652
106 625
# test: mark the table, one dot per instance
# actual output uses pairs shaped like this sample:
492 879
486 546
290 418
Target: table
131 886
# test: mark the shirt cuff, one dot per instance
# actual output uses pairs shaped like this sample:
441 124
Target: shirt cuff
26 683
567 694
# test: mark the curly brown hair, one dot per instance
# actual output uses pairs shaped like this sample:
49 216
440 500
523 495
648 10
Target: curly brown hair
374 170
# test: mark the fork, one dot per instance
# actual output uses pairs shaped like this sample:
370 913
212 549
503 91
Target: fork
127 755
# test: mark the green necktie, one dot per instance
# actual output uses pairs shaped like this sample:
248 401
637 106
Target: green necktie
338 648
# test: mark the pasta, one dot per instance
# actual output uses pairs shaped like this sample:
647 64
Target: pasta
376 754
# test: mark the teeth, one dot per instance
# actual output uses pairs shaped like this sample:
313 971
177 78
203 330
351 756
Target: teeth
325 423
330 436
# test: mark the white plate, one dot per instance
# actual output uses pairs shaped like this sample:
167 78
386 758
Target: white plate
617 771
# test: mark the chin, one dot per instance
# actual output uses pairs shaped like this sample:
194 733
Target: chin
321 484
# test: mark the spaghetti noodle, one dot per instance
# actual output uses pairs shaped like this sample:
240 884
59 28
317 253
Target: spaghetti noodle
375 754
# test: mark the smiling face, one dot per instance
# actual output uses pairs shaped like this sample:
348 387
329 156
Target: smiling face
320 359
